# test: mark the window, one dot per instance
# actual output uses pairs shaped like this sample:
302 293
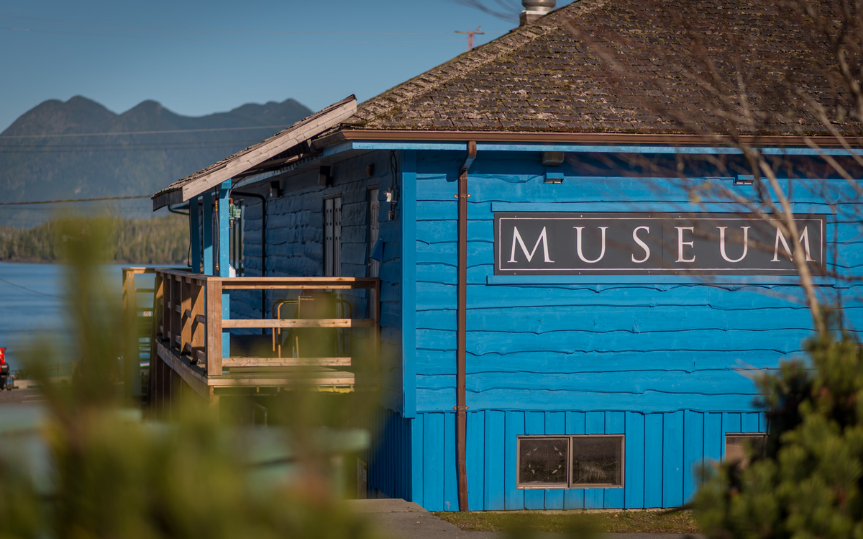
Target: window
374 229
736 446
332 236
570 461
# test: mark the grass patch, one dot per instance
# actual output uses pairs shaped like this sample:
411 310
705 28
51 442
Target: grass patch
562 522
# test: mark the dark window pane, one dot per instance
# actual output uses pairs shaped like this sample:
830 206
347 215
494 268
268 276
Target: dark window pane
542 461
597 461
736 447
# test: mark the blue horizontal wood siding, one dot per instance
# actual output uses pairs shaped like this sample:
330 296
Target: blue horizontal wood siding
664 454
632 346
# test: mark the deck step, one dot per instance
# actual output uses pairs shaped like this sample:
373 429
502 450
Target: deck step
286 362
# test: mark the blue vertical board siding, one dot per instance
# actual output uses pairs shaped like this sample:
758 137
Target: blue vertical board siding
672 460
555 423
534 423
514 428
409 277
595 423
494 457
615 423
713 439
574 498
634 474
594 498
450 481
433 477
693 452
417 458
653 460
749 422
475 460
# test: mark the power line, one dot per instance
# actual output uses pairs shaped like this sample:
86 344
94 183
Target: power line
263 41
29 289
150 28
72 200
134 144
145 132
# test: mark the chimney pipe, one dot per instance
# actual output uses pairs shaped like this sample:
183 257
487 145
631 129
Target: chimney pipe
534 9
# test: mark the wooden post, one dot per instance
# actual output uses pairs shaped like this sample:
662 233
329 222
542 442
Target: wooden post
214 327
195 235
199 330
131 361
186 315
155 335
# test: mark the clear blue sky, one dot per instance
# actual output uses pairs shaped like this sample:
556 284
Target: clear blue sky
197 57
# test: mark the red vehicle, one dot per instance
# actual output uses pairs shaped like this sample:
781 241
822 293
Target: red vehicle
4 371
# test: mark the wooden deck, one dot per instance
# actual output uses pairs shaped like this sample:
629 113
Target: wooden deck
190 326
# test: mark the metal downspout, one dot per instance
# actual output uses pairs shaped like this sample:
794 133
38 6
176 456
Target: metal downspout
461 407
263 200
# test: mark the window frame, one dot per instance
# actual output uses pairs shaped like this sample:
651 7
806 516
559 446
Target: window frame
753 435
569 454
333 257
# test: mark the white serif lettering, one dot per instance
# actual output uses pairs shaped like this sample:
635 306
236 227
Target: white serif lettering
516 237
578 230
780 238
641 244
681 244
722 243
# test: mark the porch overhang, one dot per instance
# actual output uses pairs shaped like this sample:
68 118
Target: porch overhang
268 154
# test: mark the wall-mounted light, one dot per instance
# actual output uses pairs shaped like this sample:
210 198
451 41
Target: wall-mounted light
325 176
370 170
275 189
552 159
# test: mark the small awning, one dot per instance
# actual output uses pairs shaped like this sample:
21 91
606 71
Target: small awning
195 184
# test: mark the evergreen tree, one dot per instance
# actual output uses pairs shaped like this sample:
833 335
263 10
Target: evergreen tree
806 482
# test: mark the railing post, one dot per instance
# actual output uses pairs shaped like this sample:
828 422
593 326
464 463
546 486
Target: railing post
186 315
199 330
130 334
214 327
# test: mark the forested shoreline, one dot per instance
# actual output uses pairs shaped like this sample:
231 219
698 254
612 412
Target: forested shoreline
157 240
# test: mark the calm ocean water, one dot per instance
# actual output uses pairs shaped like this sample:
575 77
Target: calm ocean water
32 304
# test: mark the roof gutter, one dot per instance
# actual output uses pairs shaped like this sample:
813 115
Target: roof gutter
583 138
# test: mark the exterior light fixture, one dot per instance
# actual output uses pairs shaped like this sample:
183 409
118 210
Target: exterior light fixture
275 189
553 162
325 176
744 179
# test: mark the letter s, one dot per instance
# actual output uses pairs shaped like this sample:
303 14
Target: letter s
641 244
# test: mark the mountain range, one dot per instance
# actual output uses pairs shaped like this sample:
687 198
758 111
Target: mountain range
80 149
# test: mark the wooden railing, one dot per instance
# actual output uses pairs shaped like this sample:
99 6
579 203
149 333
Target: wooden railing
193 312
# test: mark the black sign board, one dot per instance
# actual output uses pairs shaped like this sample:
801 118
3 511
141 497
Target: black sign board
544 243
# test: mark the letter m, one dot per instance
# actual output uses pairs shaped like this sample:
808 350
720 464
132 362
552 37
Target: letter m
543 238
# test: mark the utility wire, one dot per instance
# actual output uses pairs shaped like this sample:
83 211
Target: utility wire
145 132
71 200
30 289
164 29
171 38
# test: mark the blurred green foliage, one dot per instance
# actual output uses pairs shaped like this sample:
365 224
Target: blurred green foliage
110 475
807 480
157 240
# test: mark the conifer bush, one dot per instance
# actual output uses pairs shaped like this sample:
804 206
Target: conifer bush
806 481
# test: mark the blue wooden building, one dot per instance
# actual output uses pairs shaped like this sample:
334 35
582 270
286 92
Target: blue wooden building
563 322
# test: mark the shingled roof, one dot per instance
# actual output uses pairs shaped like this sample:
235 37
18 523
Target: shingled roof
627 66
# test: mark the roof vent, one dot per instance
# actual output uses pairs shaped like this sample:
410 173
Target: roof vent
534 9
